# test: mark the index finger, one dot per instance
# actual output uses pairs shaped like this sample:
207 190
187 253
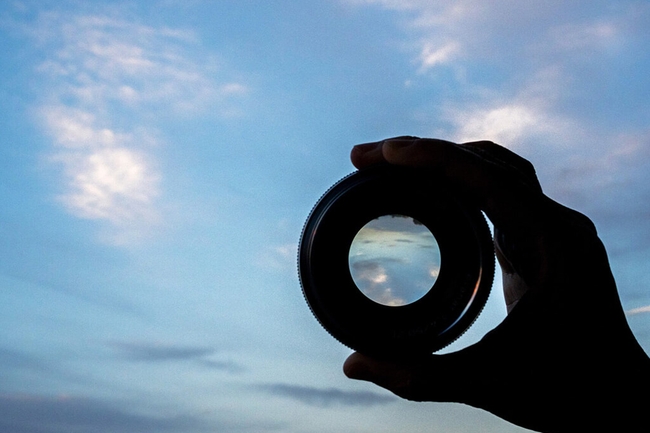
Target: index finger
503 184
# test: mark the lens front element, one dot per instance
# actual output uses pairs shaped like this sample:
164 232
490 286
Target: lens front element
394 260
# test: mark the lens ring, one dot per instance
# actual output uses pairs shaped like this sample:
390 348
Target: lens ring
421 327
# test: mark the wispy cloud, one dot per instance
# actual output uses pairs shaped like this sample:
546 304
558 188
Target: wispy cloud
28 413
520 115
612 187
326 397
541 61
227 365
374 282
102 58
639 310
560 83
142 351
11 359
432 55
523 43
596 35
278 257
162 352
107 176
510 122
107 83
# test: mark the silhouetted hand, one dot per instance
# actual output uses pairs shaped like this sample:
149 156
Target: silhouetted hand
564 359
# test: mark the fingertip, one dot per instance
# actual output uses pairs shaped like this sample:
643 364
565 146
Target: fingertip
398 144
415 151
397 150
398 377
366 154
354 366
362 148
381 372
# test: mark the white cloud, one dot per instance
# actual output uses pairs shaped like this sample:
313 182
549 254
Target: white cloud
100 60
76 129
108 83
112 183
518 38
527 52
542 79
512 121
278 257
581 36
502 124
379 277
108 175
639 310
431 55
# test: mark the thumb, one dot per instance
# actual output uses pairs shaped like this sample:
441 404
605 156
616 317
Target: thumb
390 375
442 378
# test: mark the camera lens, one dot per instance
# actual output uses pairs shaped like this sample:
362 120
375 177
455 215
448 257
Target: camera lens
395 262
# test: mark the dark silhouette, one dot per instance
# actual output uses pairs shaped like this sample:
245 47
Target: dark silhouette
564 359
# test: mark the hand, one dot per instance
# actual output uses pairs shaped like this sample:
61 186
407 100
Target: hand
564 359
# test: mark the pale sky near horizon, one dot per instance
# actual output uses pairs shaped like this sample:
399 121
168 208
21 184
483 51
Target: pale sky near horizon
159 158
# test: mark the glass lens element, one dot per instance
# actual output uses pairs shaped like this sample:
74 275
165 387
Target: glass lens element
394 260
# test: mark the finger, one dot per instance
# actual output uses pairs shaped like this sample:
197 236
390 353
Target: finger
502 190
502 184
386 374
500 156
364 155
434 378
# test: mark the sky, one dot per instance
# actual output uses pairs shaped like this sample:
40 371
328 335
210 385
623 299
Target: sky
394 260
159 159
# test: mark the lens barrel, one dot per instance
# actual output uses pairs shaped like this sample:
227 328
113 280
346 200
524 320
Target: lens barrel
451 305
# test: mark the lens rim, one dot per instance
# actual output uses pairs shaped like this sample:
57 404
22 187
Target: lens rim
426 325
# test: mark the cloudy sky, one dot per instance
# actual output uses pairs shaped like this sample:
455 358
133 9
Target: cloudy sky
394 260
159 158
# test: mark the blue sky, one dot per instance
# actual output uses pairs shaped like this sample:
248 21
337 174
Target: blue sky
159 158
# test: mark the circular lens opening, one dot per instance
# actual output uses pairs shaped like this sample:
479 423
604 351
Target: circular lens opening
394 260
